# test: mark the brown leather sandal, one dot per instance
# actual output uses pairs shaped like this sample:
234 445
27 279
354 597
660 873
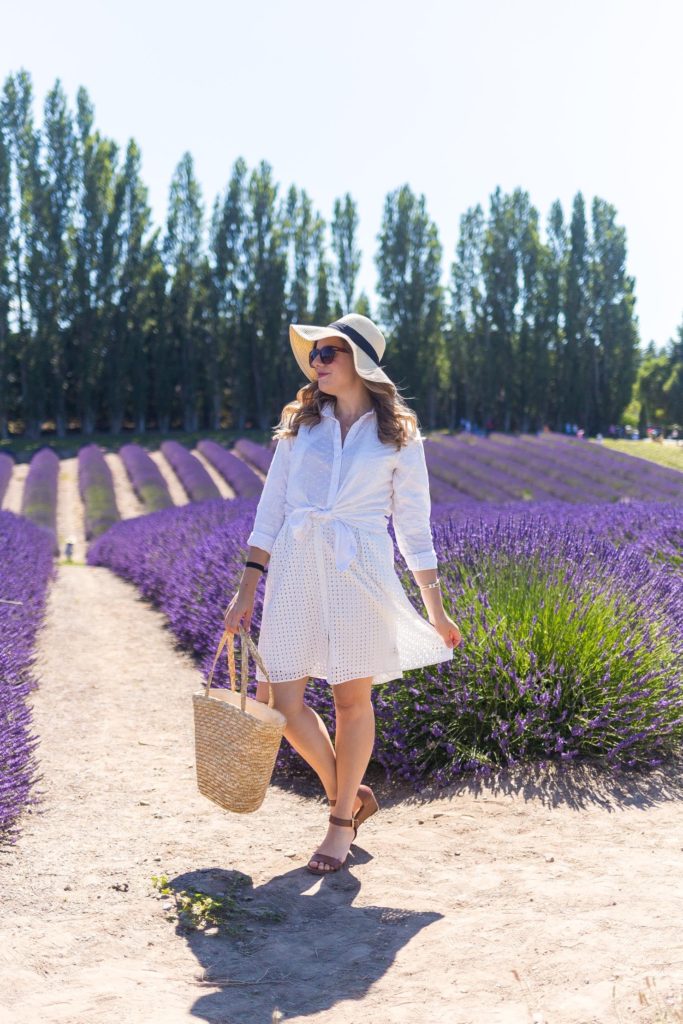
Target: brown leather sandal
367 808
334 862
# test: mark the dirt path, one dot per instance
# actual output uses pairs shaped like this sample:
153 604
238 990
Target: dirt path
175 488
15 488
574 885
127 501
224 488
70 519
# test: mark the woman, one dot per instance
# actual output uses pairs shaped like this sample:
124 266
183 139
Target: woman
349 453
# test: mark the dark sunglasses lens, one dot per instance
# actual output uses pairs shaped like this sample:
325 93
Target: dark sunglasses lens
326 353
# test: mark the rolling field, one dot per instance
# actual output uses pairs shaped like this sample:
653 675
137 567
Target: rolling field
530 793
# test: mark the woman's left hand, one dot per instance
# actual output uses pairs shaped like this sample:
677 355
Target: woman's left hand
447 630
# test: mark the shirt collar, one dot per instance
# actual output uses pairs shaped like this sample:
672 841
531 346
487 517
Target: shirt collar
328 410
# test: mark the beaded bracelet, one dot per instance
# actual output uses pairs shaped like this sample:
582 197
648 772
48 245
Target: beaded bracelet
430 586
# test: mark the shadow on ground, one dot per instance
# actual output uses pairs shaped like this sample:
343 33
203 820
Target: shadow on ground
296 944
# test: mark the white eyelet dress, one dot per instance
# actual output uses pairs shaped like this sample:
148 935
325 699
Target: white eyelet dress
334 607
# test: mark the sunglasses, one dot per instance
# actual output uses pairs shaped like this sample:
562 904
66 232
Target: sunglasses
327 354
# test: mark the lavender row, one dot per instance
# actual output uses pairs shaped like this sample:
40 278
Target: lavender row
235 471
27 569
626 475
468 478
573 649
257 454
6 467
39 500
629 475
96 487
192 474
545 468
518 480
575 481
614 461
145 477
567 483
572 622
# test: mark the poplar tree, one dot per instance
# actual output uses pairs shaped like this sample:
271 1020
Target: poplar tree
577 365
182 248
262 341
6 224
346 252
467 332
93 258
614 335
228 276
411 299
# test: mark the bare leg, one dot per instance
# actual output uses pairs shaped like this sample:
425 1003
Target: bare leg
305 730
354 740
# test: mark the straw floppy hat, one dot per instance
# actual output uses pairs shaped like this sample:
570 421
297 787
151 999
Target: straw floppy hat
367 344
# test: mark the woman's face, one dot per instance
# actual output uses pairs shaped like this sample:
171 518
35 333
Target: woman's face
340 374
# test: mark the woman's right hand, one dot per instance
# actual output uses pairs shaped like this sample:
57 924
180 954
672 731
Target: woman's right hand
239 611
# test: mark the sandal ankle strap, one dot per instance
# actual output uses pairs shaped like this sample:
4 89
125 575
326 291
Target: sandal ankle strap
342 821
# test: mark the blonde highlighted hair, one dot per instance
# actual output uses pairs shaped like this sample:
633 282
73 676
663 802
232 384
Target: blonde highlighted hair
396 421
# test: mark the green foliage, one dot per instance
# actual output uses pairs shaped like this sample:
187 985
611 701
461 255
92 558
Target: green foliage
196 910
100 509
583 647
125 324
665 454
153 497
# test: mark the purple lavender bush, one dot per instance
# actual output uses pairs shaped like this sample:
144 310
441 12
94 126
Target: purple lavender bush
6 467
257 454
572 637
146 478
549 467
235 471
193 476
572 647
27 569
39 500
96 488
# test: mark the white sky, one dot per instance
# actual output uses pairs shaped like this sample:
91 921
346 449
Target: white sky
450 97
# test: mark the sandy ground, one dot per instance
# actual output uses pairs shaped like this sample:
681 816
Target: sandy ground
238 454
224 488
15 489
534 898
175 488
127 501
70 525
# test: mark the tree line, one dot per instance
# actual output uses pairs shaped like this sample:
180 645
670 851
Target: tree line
106 321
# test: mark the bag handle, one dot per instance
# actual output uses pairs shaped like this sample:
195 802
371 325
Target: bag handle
246 644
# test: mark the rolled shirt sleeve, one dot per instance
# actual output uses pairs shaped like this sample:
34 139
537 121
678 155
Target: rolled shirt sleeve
270 511
411 507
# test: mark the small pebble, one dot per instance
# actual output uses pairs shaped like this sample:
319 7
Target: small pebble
549 858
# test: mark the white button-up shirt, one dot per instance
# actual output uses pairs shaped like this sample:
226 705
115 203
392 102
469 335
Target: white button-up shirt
360 483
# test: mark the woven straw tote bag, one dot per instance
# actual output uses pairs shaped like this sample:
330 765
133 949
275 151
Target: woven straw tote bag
236 737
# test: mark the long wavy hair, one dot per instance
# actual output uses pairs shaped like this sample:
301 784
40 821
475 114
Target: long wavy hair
396 421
